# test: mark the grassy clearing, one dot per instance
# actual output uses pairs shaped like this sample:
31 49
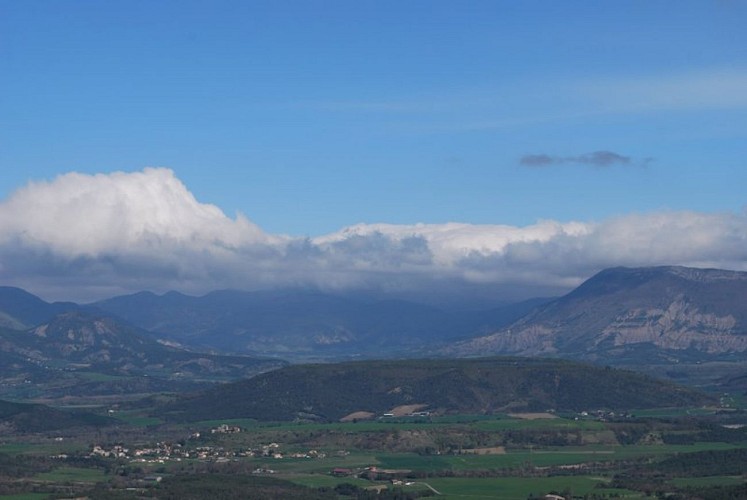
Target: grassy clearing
632 451
708 481
411 461
25 496
482 462
466 419
520 488
538 458
100 377
544 424
320 480
48 448
19 448
474 488
487 462
367 426
72 474
672 412
136 419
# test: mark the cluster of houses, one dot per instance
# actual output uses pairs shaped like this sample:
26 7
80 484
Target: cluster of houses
116 451
602 415
163 451
152 454
411 414
225 429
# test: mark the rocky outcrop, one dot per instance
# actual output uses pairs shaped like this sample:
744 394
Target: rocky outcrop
681 326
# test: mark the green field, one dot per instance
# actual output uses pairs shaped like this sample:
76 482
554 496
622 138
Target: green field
46 448
522 462
72 474
478 422
709 481
316 472
544 424
100 377
136 419
320 480
673 412
511 488
25 496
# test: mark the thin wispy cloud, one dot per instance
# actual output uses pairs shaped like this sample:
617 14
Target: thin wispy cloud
522 103
698 90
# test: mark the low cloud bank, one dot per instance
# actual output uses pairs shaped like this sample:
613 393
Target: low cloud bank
84 237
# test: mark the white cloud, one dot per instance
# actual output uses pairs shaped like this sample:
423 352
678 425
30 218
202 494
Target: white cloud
450 243
83 237
557 255
80 215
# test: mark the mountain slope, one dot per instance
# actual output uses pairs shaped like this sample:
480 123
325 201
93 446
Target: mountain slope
79 353
639 315
332 391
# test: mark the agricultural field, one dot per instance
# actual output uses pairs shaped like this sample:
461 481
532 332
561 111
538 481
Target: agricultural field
455 456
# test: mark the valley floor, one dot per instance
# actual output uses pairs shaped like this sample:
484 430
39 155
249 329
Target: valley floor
671 453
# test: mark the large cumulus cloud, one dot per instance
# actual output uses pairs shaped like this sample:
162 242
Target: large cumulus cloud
90 236
93 215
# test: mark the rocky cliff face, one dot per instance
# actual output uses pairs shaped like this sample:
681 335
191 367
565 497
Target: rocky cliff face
680 326
663 312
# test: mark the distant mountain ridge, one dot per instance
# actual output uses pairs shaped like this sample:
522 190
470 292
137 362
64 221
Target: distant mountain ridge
20 309
302 323
635 314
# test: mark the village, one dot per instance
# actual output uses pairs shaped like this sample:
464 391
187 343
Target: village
192 449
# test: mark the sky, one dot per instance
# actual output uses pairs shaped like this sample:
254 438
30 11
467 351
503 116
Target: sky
500 149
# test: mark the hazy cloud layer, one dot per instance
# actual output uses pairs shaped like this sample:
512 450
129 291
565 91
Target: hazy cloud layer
595 159
85 237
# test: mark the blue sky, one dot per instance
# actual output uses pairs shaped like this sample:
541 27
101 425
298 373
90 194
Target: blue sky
309 117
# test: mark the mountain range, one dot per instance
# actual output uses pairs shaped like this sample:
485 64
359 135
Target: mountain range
306 324
636 317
